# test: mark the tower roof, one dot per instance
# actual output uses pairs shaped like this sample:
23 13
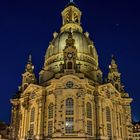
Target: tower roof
29 66
113 66
71 17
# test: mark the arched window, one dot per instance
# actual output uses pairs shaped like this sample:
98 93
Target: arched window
69 121
89 110
50 118
32 119
108 120
50 111
69 106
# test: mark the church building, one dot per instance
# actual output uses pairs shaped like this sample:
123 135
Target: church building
71 100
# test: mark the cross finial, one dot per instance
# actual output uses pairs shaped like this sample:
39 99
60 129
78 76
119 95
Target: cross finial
71 0
30 58
112 56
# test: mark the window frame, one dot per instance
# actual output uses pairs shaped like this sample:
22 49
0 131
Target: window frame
108 122
69 115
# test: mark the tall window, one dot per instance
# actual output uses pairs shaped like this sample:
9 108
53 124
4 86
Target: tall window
69 122
50 119
108 115
89 128
50 111
89 118
69 106
31 129
108 120
69 125
50 127
32 119
89 110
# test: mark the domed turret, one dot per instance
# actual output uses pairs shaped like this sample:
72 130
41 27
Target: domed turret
87 56
71 18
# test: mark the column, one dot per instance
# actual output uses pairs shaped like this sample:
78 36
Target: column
99 123
103 118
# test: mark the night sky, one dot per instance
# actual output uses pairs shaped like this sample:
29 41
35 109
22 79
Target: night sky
26 27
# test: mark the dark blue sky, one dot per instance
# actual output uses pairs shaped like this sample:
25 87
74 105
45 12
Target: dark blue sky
26 26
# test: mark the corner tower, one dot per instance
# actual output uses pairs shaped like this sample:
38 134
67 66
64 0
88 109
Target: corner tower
28 76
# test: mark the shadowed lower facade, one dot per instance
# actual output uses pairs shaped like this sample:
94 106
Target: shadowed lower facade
71 101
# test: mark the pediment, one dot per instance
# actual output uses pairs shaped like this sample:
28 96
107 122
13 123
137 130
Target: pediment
32 88
68 82
109 91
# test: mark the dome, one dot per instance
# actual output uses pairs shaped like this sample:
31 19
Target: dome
82 43
86 54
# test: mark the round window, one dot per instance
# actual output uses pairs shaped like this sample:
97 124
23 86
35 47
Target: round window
69 84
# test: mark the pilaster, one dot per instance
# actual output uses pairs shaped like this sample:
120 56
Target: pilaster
40 132
58 114
99 121
80 116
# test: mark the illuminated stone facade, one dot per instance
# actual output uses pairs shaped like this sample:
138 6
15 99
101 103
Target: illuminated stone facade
136 130
71 101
